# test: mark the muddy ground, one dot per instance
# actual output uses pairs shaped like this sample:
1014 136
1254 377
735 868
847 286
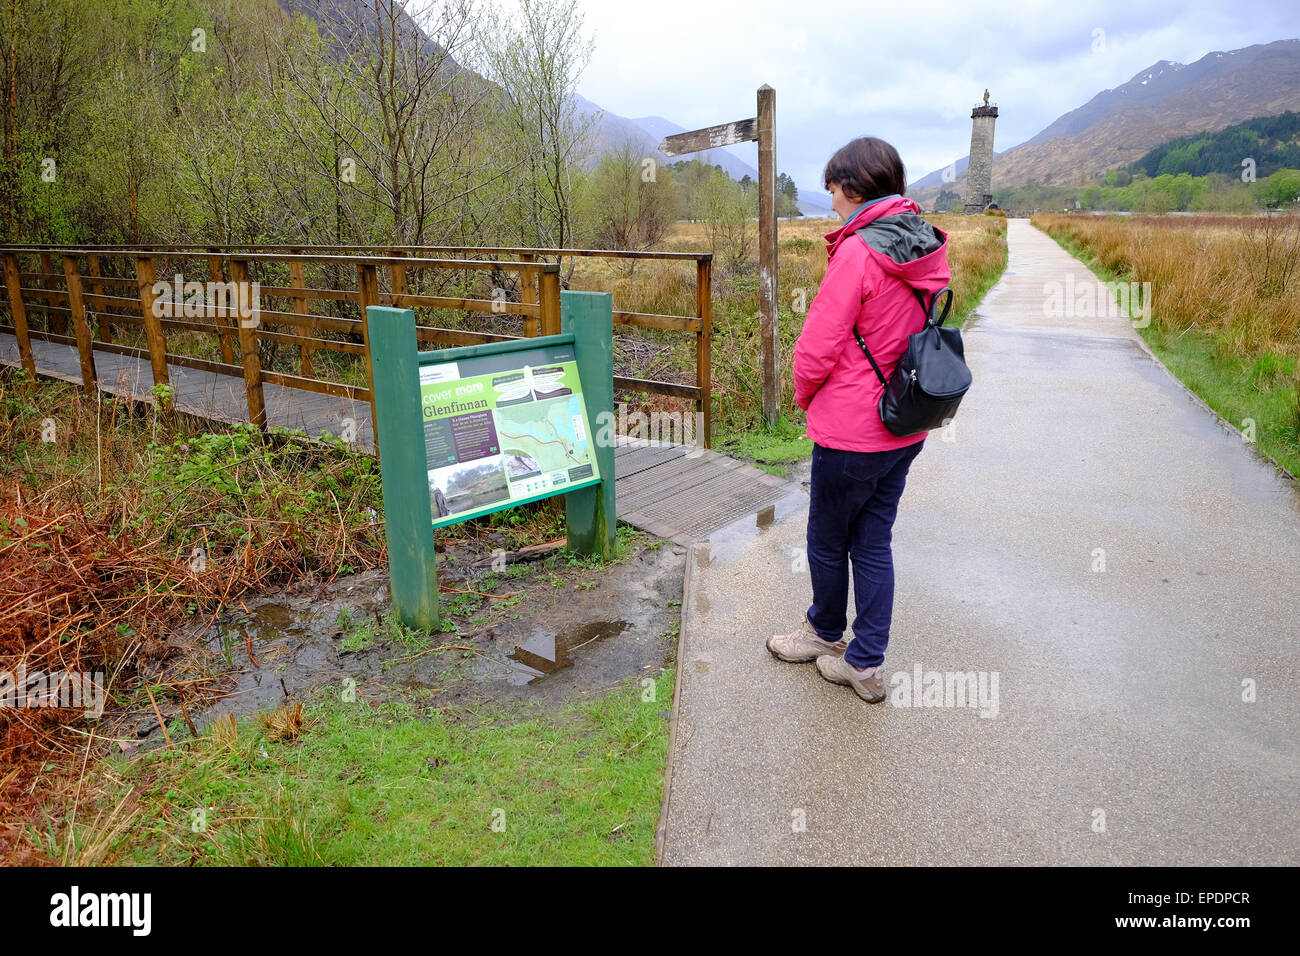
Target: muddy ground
560 631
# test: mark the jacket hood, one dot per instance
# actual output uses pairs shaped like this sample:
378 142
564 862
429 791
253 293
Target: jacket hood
902 243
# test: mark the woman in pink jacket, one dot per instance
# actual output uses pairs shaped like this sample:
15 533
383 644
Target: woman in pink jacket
883 251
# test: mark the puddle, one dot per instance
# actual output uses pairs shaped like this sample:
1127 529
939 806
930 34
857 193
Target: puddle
275 616
545 653
566 635
727 541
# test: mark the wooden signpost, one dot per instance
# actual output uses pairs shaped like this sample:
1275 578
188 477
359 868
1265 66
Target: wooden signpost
761 128
471 430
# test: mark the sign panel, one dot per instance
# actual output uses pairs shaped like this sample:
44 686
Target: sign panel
712 137
501 429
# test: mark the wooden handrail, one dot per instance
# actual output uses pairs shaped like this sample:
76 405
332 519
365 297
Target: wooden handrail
475 250
539 286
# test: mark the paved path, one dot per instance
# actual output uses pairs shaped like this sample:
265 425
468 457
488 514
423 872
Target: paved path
1119 692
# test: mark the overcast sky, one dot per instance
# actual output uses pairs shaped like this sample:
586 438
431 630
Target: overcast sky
908 72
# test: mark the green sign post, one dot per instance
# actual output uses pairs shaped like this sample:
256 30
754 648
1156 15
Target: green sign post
469 431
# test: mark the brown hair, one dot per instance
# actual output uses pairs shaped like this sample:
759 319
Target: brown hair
865 169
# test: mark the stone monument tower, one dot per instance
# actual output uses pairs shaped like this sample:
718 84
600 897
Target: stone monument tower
979 177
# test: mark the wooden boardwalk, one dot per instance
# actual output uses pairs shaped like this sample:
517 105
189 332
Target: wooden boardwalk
673 491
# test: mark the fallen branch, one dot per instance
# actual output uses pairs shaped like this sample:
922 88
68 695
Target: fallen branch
530 553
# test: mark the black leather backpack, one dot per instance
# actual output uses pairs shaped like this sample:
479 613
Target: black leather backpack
931 376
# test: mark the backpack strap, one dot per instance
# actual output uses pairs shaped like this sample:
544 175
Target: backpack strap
920 298
863 345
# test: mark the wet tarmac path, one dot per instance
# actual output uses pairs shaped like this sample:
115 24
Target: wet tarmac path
1097 605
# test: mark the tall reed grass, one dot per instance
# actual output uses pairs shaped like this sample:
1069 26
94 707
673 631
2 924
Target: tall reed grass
1233 278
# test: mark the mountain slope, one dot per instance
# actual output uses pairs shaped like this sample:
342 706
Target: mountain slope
1271 142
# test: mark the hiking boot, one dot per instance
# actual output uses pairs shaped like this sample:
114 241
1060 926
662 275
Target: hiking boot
837 670
803 645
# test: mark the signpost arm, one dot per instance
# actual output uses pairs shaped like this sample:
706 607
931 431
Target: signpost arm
589 512
408 515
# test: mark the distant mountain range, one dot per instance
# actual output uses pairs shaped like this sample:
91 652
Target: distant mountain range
1165 101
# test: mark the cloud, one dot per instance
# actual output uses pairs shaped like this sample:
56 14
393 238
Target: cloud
908 72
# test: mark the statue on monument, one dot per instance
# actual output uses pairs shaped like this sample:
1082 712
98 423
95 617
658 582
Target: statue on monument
986 96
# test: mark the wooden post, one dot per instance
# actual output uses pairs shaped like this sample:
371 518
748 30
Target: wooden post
399 274
103 324
590 515
768 323
368 296
56 321
704 346
219 320
248 345
528 295
297 280
153 330
85 344
549 287
14 283
408 513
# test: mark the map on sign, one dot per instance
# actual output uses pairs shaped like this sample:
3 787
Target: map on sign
504 428
543 437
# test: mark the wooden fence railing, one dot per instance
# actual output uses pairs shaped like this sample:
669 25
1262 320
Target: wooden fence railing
98 288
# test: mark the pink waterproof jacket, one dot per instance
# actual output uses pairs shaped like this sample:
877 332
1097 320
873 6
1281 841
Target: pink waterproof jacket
869 281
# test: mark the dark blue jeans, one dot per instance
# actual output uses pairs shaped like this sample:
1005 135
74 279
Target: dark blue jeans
854 500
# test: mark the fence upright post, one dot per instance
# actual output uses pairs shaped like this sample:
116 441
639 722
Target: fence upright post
153 330
219 320
549 288
398 273
368 296
528 295
248 356
14 283
103 325
297 281
55 322
85 345
704 347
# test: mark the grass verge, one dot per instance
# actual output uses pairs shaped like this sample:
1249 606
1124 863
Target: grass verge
773 448
353 783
